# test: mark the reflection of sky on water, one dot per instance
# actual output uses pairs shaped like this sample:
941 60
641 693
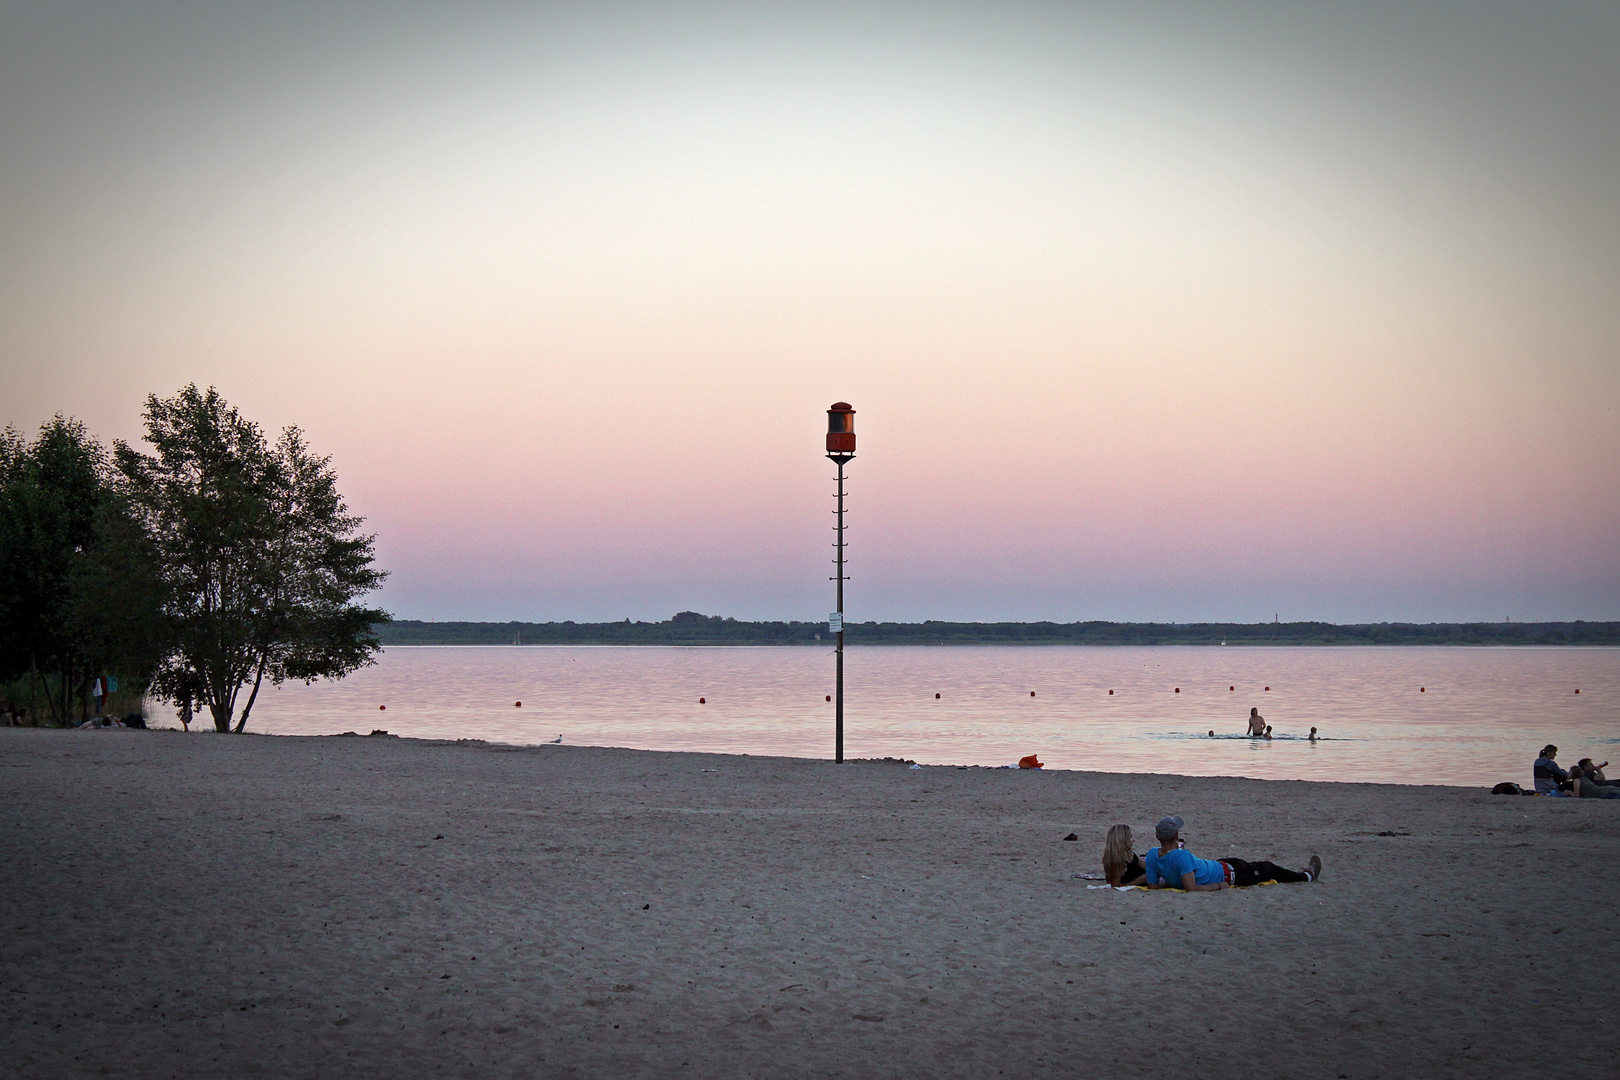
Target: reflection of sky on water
1481 717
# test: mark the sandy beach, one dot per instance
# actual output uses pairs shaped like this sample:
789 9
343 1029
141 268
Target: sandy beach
193 905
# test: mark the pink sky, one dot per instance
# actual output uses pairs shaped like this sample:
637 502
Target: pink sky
1206 316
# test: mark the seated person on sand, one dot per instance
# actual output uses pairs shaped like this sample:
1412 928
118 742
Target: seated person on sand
1547 773
1257 723
1121 864
1583 786
1171 867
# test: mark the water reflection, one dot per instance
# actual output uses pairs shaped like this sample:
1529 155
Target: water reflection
1480 717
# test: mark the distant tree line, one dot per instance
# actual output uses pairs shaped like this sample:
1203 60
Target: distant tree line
691 628
193 573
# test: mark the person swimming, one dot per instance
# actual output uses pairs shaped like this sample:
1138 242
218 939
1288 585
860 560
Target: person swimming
1313 735
1257 723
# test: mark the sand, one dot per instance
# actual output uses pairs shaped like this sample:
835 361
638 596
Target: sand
197 905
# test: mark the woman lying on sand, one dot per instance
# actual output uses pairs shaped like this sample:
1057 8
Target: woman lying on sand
1171 867
1584 782
1121 864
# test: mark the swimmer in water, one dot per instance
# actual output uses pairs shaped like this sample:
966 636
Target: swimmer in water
1313 734
1257 723
1267 735
1212 734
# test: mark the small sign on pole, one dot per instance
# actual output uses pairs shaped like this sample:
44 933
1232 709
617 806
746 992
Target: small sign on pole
835 623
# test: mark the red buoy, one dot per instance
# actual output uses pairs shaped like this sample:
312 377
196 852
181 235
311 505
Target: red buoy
1032 693
829 697
936 697
1231 688
1577 690
1110 693
703 701
1268 688
517 704
382 708
1178 689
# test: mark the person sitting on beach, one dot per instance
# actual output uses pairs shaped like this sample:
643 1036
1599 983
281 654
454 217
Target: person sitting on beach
1121 864
1547 773
1170 866
1257 723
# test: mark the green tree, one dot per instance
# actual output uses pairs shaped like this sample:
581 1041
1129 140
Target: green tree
115 602
261 562
77 587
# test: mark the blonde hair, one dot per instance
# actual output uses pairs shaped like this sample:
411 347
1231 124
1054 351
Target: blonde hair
1117 852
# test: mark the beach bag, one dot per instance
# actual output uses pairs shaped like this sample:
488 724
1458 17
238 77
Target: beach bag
1507 787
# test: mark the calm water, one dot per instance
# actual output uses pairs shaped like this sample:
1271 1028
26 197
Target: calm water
1481 716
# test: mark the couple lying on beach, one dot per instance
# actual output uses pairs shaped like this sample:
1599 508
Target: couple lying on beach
1584 781
1172 866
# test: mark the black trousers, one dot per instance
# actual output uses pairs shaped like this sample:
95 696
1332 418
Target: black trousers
1252 873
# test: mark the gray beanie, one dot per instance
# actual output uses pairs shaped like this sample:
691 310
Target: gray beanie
1167 828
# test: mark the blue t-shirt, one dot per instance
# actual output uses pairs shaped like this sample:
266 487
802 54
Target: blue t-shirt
1169 868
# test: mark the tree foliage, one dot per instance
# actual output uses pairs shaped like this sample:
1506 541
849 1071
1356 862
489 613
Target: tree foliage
77 582
261 562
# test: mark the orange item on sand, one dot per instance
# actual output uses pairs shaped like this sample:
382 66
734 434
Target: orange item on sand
1031 762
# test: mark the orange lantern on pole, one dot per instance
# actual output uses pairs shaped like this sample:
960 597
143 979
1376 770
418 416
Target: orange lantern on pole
840 431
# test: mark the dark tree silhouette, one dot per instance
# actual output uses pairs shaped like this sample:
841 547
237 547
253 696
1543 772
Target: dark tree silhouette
77 584
261 561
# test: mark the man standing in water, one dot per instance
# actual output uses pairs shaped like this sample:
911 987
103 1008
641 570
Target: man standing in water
1170 866
1257 723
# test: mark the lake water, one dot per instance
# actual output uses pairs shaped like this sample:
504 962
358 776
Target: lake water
1405 715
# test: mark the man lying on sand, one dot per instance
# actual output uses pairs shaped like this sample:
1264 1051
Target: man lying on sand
1172 867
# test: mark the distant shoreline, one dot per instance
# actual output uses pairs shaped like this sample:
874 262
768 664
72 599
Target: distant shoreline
690 628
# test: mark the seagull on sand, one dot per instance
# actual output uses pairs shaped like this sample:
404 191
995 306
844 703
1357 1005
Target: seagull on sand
558 739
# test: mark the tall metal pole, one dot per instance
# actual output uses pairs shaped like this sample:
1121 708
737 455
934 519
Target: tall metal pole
838 723
840 449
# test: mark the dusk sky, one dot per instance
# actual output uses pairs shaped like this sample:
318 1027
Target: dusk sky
1170 311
